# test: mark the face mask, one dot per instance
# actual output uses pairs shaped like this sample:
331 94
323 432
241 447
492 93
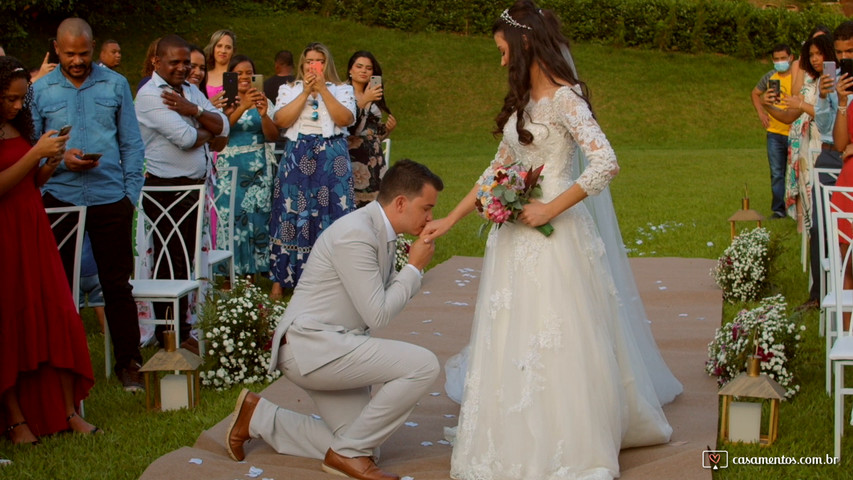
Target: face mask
781 67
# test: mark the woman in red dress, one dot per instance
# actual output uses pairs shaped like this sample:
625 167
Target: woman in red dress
45 370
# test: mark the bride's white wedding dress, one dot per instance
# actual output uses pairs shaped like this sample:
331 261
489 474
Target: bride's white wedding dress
558 373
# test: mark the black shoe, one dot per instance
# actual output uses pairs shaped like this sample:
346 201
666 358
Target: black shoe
811 304
131 379
777 216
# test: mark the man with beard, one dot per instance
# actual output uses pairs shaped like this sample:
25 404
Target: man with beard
96 102
177 122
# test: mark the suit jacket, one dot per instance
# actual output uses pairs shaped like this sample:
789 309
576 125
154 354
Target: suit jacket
346 288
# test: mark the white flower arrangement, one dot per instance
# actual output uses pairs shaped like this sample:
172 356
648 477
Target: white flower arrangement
766 332
401 258
742 269
238 327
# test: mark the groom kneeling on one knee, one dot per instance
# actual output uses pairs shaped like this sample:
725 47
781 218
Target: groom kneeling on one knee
348 287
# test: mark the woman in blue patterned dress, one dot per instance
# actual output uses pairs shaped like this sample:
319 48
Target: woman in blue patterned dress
313 187
251 127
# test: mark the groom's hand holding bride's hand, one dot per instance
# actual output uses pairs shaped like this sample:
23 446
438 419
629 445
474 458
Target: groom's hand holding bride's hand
435 229
421 251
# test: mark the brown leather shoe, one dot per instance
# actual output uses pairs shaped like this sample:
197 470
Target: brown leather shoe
361 468
238 431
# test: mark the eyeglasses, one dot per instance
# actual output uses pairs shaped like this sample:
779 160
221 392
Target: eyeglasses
315 115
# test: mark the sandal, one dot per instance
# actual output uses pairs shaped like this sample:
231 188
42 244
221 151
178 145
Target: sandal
93 431
20 424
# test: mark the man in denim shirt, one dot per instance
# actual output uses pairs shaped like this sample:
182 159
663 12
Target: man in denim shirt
96 102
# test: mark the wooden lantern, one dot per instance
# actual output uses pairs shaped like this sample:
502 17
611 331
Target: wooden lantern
745 214
179 385
738 419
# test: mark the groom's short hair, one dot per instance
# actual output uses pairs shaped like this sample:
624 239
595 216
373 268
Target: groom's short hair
406 178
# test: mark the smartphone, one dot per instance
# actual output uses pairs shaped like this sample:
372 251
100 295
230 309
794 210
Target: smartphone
258 82
829 69
317 67
229 85
375 80
846 67
92 157
64 131
52 56
775 86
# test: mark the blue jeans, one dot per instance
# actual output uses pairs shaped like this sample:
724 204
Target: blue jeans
777 157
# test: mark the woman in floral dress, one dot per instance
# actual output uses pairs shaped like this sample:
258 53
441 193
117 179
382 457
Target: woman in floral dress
251 127
365 143
313 187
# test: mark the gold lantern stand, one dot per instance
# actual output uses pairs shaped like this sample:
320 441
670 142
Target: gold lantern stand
753 384
745 214
171 359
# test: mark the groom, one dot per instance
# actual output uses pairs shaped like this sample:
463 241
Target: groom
349 287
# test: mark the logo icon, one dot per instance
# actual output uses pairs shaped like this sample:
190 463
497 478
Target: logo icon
715 459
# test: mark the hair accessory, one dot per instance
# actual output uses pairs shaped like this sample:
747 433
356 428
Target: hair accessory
508 19
19 69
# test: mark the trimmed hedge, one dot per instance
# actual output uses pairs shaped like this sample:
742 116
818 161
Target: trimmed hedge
731 27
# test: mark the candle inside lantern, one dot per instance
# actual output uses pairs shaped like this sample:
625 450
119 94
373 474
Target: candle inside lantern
745 422
173 392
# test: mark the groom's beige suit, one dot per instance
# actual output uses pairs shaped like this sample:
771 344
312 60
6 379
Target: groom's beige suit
347 288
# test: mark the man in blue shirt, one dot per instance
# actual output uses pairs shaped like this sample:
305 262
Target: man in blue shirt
96 102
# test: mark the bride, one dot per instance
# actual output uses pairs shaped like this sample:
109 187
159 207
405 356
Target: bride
562 370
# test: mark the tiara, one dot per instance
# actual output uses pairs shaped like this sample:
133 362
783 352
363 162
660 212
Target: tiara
508 19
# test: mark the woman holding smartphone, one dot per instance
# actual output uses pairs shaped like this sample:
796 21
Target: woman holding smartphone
45 370
251 128
218 52
313 187
365 140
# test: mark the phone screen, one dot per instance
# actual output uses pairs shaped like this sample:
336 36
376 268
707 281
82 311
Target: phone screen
229 85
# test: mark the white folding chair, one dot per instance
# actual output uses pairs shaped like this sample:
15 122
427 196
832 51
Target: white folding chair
224 248
386 149
166 228
841 354
836 297
822 177
58 215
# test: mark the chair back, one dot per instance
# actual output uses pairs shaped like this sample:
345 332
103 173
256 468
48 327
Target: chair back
386 150
174 209
76 218
821 178
840 259
224 193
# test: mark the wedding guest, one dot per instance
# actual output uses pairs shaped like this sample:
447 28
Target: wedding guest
148 64
45 369
110 129
218 51
177 122
91 294
314 183
565 403
322 343
110 56
283 74
797 73
365 140
777 132
251 127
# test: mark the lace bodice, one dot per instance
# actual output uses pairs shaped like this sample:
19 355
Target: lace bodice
558 125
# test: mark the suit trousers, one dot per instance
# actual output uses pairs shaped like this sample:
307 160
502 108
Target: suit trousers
353 422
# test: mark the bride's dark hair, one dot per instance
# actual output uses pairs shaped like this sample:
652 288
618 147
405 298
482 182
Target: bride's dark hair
543 43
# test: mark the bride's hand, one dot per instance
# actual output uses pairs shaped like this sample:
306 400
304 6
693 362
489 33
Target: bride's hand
535 214
435 229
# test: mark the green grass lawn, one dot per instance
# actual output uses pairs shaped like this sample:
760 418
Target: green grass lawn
688 142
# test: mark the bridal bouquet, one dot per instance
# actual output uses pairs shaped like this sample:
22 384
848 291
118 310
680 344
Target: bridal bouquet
504 193
238 325
401 255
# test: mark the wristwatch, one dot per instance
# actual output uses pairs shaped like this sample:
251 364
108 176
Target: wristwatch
200 112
